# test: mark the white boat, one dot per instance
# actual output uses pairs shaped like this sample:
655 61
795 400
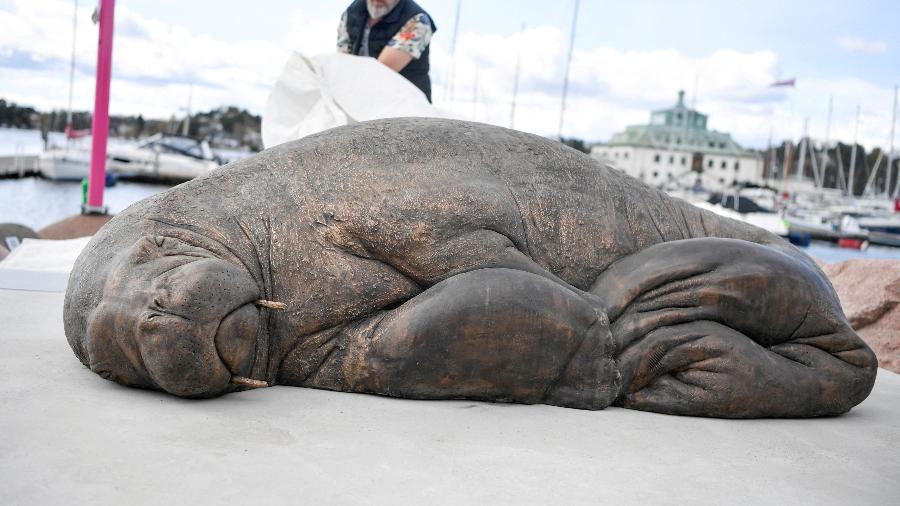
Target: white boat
65 165
162 157
883 222
773 222
157 157
73 161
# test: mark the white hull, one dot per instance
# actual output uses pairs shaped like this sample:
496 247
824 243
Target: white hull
136 162
162 157
772 222
144 160
65 165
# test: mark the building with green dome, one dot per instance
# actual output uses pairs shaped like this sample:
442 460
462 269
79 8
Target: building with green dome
676 149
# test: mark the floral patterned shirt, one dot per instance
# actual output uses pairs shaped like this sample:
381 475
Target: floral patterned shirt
413 37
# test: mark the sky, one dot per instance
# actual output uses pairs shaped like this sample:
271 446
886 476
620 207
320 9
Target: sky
628 58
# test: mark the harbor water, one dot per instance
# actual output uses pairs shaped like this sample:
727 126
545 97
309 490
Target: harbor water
36 202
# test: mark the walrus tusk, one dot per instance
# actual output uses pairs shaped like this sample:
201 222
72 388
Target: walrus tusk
271 304
248 382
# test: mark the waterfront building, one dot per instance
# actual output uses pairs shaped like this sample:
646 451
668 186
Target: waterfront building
676 149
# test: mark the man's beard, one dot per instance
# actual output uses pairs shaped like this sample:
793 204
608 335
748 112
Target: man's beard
377 11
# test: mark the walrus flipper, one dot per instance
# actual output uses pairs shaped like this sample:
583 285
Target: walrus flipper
729 328
490 334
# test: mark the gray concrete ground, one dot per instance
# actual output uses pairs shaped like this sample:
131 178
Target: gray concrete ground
69 437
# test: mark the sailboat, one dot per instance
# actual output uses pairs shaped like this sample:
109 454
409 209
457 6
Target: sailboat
72 162
157 157
162 157
839 214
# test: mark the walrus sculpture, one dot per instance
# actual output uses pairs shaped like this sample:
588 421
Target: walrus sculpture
438 259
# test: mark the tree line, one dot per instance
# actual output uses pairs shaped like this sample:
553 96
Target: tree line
227 126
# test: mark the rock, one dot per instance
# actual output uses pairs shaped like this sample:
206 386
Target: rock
12 234
870 294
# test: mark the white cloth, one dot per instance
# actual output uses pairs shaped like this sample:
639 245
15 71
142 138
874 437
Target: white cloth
326 91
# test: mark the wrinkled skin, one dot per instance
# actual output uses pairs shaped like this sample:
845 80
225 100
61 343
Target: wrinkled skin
437 259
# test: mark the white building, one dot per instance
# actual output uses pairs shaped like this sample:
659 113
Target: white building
676 149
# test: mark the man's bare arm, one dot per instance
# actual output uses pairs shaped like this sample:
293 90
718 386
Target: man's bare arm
395 59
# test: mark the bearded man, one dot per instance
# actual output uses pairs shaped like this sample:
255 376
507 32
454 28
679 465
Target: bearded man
397 32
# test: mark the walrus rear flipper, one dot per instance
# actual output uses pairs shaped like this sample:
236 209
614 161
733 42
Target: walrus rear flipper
489 334
729 328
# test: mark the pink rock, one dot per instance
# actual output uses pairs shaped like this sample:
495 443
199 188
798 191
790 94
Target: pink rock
870 294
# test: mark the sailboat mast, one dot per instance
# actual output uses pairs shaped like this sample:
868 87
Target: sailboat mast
448 95
72 70
186 126
771 158
512 109
850 184
824 163
788 158
842 181
802 164
815 166
565 89
890 163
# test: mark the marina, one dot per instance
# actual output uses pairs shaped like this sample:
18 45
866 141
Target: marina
163 158
677 153
36 199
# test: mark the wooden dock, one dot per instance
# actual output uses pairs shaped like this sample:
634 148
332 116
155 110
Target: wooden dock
19 165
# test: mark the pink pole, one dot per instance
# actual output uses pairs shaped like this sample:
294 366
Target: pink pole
100 123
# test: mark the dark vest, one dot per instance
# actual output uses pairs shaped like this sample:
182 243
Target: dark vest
382 32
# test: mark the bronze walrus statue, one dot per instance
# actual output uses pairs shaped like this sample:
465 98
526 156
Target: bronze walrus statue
437 259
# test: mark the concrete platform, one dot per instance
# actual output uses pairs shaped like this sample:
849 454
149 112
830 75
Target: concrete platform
69 437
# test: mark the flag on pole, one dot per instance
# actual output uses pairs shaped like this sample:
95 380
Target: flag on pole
784 82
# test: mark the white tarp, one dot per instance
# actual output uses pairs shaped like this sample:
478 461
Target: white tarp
325 91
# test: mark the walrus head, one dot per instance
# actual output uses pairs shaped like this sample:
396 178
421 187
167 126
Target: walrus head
173 317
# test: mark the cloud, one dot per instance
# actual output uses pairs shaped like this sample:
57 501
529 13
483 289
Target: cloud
860 45
18 59
158 65
311 35
609 88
